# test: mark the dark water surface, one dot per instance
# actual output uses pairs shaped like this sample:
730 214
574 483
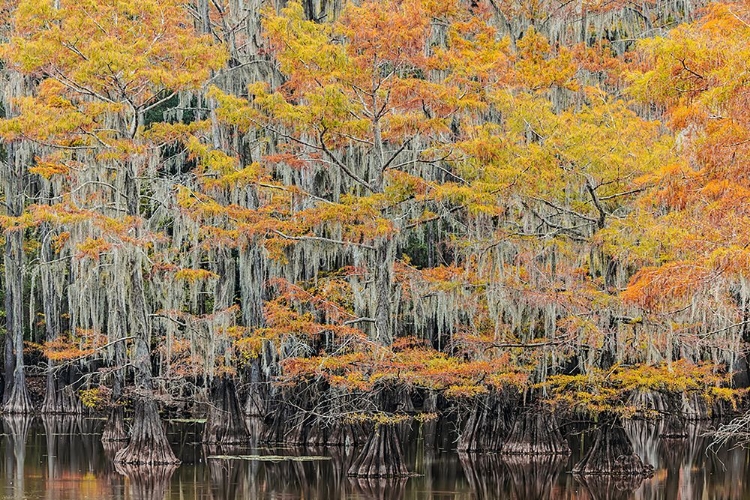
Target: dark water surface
62 458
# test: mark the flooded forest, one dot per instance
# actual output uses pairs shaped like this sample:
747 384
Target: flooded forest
374 249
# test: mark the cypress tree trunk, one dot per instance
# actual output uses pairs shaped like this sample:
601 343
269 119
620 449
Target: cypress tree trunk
255 404
535 433
383 280
15 397
381 456
148 440
430 427
225 423
114 429
60 397
488 424
612 454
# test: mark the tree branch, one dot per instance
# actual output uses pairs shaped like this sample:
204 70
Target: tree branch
322 239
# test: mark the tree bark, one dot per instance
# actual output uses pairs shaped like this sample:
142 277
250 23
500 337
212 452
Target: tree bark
383 280
535 433
612 454
60 396
255 404
488 424
225 423
148 441
114 429
15 397
381 456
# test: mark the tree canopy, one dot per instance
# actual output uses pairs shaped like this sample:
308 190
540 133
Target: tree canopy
350 210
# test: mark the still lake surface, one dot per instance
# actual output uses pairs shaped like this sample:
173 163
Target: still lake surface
62 458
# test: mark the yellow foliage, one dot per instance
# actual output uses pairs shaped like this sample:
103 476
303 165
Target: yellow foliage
195 275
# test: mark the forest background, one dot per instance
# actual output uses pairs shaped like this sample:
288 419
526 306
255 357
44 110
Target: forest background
336 216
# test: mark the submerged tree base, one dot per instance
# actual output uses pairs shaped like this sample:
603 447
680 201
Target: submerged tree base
18 402
695 407
225 424
612 455
488 425
535 433
60 397
148 441
381 456
62 402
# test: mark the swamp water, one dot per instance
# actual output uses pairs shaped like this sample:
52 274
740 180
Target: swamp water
62 458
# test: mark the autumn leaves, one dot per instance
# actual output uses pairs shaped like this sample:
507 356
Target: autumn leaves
403 174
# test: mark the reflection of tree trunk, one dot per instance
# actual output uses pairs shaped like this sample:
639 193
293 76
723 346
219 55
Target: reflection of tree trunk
225 423
533 476
147 483
604 487
535 433
683 461
341 461
382 455
225 477
52 432
304 480
612 454
16 427
485 475
72 446
512 476
378 488
109 469
61 432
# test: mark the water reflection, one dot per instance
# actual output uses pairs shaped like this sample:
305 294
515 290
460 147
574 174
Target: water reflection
609 487
16 431
147 483
510 476
378 489
61 458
